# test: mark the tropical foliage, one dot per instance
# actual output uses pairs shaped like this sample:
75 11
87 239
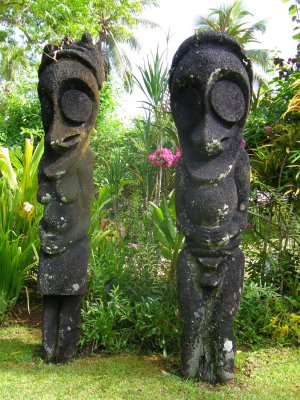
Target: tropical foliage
19 112
231 19
19 217
110 22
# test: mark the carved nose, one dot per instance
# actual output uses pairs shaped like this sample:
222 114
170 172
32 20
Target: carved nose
209 138
205 138
60 136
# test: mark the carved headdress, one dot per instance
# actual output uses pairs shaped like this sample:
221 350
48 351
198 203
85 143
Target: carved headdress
84 51
211 37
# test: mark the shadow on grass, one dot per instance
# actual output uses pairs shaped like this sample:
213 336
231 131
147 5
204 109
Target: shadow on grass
17 351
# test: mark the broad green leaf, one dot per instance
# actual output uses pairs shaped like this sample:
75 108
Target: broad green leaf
293 9
171 204
297 36
168 224
160 236
103 197
166 252
156 212
6 168
36 158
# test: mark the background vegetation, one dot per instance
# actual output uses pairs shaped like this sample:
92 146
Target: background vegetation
131 302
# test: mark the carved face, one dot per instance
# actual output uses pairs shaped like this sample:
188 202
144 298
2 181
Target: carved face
210 95
68 93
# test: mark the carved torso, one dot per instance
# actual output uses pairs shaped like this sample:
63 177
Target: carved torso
65 202
64 229
213 204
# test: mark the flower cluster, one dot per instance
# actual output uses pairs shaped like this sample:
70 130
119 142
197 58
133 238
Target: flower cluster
165 158
268 130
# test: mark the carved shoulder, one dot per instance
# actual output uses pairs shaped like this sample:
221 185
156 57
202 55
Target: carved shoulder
243 163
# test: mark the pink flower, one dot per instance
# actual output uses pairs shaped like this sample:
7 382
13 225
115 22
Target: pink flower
165 158
243 143
268 130
176 157
134 245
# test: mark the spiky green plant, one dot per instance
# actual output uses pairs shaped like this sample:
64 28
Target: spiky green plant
154 81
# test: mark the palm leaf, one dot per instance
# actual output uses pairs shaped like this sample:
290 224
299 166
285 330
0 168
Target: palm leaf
259 57
118 59
147 3
147 23
230 19
133 42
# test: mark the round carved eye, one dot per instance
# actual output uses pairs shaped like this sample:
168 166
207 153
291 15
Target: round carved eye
187 107
76 105
227 100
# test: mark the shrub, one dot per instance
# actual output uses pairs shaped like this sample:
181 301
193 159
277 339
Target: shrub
19 113
265 317
130 304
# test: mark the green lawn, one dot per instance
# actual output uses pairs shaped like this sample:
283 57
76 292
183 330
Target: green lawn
264 374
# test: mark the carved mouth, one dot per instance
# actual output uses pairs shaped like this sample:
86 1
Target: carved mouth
71 140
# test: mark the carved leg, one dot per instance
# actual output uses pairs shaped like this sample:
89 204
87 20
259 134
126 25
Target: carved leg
193 300
207 342
61 327
51 306
69 327
225 308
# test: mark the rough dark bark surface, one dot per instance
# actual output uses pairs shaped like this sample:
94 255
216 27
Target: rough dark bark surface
69 80
210 85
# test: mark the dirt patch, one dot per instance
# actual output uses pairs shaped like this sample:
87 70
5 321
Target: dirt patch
28 316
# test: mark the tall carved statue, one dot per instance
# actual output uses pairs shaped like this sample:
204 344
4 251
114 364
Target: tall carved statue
70 77
210 85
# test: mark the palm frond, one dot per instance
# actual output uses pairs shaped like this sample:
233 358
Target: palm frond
260 57
250 32
118 58
116 29
205 24
147 23
133 42
149 3
230 19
